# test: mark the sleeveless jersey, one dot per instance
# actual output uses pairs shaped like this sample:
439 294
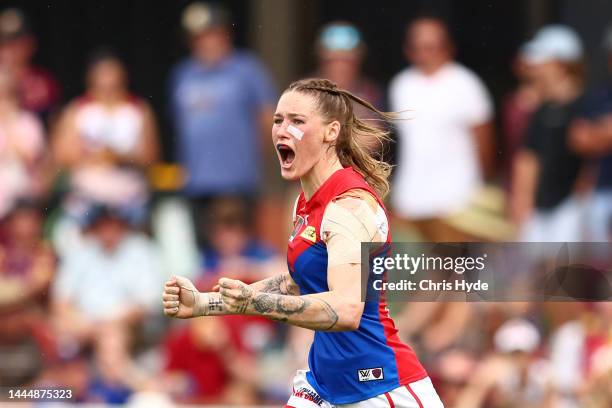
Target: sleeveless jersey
350 366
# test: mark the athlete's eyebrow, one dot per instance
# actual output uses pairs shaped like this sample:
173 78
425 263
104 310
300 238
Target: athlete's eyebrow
290 115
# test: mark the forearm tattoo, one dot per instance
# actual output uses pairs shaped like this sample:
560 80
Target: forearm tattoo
280 285
288 305
282 307
263 303
332 316
245 292
215 304
273 285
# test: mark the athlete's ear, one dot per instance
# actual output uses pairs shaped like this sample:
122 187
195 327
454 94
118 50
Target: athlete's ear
332 131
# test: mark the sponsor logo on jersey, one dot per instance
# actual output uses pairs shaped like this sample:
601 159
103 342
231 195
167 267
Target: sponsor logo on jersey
309 233
370 374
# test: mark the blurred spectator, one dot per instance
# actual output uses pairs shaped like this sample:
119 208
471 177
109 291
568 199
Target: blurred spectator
38 90
205 365
27 265
111 283
518 108
106 139
233 250
221 102
434 326
22 145
513 376
444 149
578 357
113 379
591 135
546 171
340 51
451 373
597 391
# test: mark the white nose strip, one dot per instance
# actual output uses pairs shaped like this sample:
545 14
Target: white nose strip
295 132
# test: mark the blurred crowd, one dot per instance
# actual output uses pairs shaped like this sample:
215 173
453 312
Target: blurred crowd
92 223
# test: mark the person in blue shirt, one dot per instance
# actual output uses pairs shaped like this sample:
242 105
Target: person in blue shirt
221 99
234 249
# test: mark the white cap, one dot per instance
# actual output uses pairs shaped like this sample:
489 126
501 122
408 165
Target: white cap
517 335
553 42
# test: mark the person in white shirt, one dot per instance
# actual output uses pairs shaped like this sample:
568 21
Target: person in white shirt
107 287
446 144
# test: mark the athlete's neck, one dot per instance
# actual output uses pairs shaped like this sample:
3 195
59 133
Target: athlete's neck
320 172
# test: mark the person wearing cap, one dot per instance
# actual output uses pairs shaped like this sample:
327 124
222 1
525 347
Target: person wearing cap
101 298
221 101
445 146
39 91
340 51
591 135
544 203
513 375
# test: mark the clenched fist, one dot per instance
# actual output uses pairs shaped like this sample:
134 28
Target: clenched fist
236 295
181 298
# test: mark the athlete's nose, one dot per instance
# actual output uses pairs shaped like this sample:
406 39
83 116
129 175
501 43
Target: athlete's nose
282 132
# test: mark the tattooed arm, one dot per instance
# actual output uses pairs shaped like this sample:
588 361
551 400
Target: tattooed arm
352 218
336 310
182 300
339 309
280 284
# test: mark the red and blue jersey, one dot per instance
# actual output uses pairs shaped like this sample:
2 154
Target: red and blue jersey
351 366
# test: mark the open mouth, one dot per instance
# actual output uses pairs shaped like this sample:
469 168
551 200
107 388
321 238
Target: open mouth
286 154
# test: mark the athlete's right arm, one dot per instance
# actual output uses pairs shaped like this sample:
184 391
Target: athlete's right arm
182 300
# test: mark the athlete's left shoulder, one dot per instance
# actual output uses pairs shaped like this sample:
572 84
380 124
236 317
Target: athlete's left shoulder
368 209
359 193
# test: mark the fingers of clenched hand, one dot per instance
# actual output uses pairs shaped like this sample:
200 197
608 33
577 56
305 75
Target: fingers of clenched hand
184 282
170 297
234 289
236 295
230 283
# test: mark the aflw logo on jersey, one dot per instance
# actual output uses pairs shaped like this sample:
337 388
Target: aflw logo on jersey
370 374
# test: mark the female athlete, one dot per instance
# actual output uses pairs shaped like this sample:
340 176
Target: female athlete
356 356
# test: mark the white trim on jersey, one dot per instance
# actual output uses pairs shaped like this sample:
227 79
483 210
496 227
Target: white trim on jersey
295 207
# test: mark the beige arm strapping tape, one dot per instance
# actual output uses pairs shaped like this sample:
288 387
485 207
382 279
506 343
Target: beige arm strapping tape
200 302
346 224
